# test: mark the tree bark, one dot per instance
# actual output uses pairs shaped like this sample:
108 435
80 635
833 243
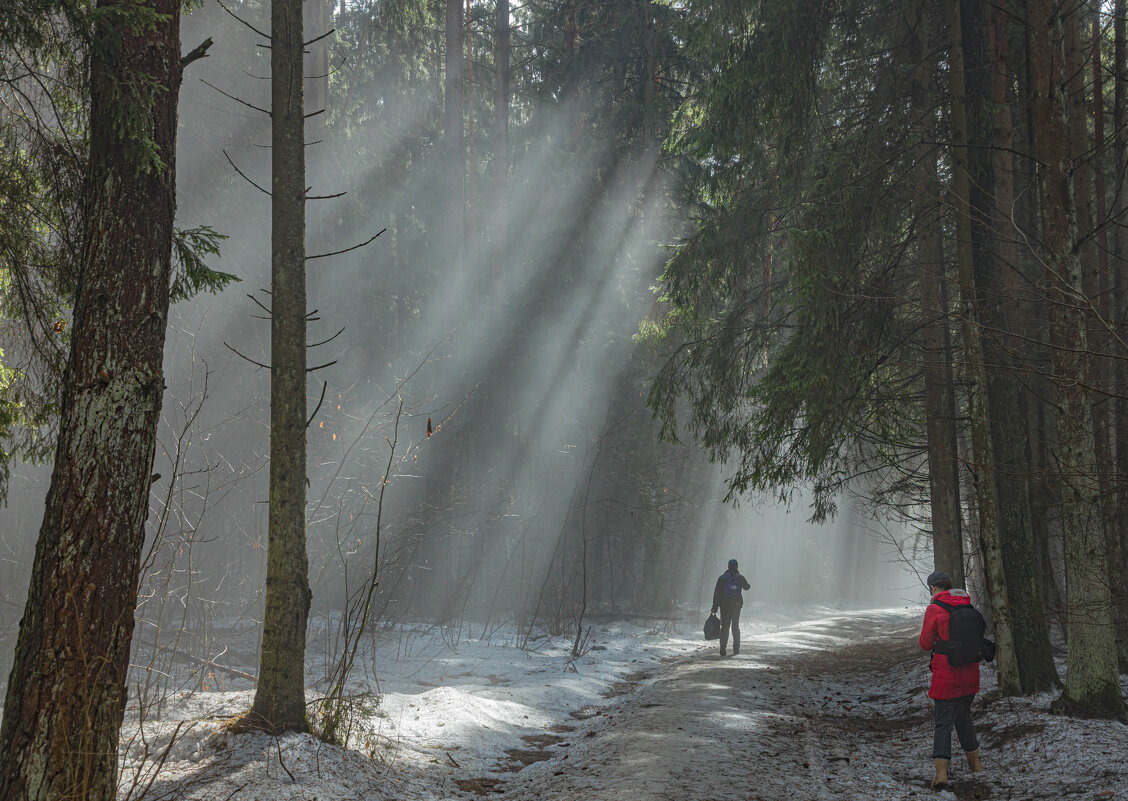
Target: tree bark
939 394
994 262
279 703
983 469
501 135
1087 175
1099 289
1119 280
66 692
454 168
1091 680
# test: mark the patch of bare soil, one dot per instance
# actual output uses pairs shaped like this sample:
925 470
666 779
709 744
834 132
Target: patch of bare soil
629 684
972 790
994 735
479 786
617 689
873 655
520 758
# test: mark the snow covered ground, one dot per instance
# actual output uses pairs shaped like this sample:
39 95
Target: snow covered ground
820 704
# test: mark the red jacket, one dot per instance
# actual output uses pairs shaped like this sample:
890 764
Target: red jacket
947 681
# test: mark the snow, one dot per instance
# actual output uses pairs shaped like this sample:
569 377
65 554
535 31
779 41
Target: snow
820 704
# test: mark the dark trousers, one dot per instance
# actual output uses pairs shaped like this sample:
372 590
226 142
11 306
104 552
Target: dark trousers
730 618
951 712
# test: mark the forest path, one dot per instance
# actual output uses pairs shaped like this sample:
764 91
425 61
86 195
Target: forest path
783 720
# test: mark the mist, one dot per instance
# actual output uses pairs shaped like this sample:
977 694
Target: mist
482 354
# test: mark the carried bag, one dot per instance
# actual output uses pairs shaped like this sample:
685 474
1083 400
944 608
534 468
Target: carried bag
966 644
712 627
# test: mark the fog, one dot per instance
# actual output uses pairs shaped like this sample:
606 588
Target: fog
541 488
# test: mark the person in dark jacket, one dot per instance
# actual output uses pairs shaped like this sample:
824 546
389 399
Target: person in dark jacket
953 687
727 597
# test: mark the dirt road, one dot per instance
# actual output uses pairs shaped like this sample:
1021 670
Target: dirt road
791 720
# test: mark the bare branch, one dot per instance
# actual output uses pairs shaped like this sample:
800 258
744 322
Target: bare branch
321 366
241 356
319 38
261 306
278 742
240 19
200 51
324 386
346 250
237 100
333 71
248 180
326 341
326 197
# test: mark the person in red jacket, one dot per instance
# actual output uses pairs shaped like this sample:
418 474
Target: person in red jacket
953 687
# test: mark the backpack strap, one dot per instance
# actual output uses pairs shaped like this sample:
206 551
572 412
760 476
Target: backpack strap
941 645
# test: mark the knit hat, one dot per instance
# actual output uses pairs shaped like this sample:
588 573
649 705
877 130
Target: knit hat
732 564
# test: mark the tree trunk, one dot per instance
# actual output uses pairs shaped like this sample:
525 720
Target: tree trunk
1119 280
1030 310
1105 403
1091 680
1094 267
983 471
501 136
454 167
279 703
66 692
473 224
939 395
1097 287
989 123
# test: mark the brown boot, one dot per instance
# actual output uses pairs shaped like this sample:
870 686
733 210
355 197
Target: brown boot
941 780
973 761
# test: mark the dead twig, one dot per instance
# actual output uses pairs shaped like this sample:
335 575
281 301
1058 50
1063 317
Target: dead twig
236 99
248 358
324 386
252 183
346 250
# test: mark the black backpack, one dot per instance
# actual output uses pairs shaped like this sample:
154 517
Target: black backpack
712 628
966 644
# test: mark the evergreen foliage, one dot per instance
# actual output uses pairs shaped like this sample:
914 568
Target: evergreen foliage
44 59
786 308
